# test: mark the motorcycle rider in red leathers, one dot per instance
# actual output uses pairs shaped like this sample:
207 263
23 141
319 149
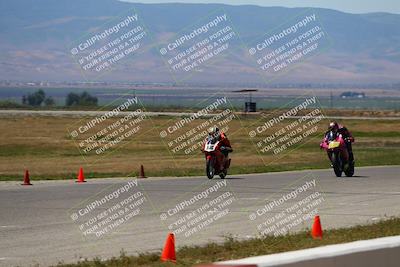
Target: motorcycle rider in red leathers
225 146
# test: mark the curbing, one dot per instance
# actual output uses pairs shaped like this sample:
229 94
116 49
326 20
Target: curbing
366 253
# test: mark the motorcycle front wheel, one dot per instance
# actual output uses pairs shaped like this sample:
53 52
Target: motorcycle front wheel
210 168
337 168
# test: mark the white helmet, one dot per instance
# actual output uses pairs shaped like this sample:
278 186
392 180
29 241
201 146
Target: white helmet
213 130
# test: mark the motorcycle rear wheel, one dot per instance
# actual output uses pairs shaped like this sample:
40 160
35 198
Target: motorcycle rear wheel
336 165
350 170
210 168
223 174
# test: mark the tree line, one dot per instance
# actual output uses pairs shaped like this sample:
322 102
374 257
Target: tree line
39 98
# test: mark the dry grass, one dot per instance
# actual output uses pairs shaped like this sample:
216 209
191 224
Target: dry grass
234 249
43 145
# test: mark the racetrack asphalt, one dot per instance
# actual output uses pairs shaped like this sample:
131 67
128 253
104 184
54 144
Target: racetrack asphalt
37 223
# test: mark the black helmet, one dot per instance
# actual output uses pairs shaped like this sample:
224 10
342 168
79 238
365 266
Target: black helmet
333 126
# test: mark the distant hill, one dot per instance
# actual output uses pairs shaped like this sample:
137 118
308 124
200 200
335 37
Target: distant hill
36 36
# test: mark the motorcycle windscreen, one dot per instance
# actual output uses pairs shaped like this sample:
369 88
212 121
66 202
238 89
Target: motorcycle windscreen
331 136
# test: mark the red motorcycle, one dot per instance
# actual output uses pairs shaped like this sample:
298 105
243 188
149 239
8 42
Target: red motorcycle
336 147
216 157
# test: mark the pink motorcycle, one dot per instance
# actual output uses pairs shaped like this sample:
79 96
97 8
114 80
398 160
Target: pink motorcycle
336 147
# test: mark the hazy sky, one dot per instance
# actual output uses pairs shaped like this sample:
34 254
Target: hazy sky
352 6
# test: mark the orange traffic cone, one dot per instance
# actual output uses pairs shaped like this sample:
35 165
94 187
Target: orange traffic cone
81 177
27 180
141 173
168 253
316 231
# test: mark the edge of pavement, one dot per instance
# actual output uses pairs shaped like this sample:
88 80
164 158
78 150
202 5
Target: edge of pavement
121 179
